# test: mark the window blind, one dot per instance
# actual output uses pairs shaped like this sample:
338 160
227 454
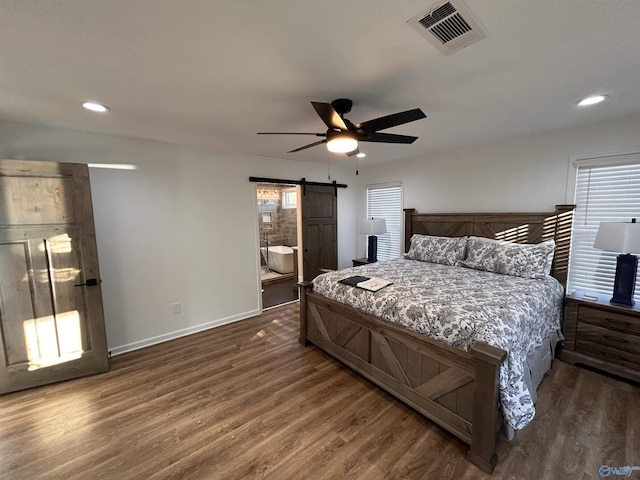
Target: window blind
385 201
607 190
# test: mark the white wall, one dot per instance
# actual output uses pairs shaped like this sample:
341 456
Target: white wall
180 228
517 174
183 227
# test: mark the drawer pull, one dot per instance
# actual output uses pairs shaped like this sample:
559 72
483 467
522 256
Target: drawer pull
618 322
615 339
615 357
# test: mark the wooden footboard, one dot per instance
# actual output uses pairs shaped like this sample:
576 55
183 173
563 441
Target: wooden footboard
457 390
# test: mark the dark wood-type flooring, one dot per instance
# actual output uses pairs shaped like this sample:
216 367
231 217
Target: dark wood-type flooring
245 400
277 291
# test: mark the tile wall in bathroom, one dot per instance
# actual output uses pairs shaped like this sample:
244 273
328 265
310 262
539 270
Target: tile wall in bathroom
282 230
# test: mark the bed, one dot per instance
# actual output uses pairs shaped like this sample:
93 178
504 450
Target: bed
428 346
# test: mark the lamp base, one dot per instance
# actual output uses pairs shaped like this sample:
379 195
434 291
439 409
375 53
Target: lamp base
372 249
625 282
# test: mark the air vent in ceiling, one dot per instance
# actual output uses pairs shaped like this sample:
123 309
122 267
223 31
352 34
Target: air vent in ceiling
449 26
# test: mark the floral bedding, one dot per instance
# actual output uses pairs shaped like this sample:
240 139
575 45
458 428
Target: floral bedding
461 306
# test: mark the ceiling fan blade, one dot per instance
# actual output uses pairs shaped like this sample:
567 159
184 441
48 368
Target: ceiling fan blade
387 138
308 146
293 133
329 116
392 120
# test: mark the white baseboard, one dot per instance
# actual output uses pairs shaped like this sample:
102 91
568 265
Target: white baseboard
113 351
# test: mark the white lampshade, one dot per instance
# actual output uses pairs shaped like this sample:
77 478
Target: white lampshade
373 226
341 143
618 237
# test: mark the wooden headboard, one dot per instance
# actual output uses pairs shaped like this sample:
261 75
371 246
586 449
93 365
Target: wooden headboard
512 227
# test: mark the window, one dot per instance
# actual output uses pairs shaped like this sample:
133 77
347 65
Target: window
385 201
289 198
607 190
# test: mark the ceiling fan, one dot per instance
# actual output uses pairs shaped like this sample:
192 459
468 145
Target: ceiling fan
342 136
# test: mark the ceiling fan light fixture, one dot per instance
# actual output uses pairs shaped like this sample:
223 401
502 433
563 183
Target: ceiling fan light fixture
341 143
343 136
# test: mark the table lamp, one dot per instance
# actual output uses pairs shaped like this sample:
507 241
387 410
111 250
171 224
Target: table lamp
373 227
625 238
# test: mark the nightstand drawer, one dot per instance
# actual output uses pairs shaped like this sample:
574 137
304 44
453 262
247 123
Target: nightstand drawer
608 354
607 319
602 335
609 337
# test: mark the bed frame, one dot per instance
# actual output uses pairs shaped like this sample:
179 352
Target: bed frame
458 390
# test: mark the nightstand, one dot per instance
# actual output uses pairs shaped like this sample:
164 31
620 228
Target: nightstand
602 335
361 261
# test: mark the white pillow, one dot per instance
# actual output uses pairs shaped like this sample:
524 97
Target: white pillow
443 250
516 259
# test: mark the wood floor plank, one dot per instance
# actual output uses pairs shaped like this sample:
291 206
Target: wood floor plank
246 400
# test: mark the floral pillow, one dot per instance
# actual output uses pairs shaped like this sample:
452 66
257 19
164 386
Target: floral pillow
515 259
443 250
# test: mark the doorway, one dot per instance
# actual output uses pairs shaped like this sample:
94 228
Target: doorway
278 229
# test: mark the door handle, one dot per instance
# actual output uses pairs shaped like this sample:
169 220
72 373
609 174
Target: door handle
91 282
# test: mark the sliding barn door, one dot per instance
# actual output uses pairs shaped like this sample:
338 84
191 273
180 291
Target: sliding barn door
51 317
319 230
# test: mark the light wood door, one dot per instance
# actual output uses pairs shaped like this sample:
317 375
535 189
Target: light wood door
51 316
319 230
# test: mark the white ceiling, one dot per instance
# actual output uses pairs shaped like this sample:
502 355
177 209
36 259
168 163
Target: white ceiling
213 73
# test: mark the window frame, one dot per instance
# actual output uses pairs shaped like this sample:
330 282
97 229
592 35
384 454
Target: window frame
592 270
390 243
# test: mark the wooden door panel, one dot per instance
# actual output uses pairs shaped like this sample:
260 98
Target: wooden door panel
311 254
39 299
319 230
51 320
64 270
327 247
16 299
320 203
36 200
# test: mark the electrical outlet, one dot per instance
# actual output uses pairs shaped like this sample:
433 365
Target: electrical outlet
176 308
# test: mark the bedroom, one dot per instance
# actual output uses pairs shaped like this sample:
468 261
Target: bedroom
180 204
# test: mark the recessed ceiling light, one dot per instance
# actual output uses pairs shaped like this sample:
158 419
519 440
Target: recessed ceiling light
592 100
95 107
361 155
